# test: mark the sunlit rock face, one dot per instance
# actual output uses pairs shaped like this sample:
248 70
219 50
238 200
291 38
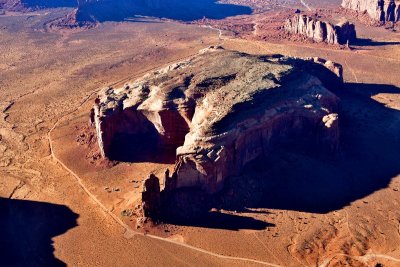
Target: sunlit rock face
369 6
321 31
219 111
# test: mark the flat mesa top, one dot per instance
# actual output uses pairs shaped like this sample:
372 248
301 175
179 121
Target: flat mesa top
218 83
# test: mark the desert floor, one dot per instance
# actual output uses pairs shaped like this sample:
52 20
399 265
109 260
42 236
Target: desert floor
54 199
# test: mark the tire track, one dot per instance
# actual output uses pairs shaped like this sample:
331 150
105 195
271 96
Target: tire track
268 250
352 71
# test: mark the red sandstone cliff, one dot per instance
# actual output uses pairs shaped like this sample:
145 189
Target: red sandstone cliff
221 110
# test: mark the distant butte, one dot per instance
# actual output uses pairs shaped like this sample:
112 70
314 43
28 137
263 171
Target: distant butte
370 6
321 31
218 111
378 10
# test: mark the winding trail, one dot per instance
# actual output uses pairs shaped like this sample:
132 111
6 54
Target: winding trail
220 33
129 232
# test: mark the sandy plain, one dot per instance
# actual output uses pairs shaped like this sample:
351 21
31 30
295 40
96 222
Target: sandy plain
60 213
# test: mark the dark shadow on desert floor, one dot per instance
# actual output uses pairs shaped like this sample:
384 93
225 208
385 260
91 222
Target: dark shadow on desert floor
370 42
217 220
191 207
27 229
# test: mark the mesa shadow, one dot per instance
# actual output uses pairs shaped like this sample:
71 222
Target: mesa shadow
322 182
121 10
27 229
218 220
192 207
140 148
370 42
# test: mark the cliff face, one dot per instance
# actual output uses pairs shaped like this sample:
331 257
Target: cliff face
321 31
369 6
221 110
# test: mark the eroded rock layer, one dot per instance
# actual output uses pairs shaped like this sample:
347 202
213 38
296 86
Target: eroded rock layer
372 7
321 31
221 110
378 10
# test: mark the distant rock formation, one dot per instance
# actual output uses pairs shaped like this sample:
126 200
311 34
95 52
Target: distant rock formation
321 31
378 10
219 111
372 7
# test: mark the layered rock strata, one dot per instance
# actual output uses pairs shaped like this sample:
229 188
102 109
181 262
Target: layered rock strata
321 31
221 110
372 7
378 10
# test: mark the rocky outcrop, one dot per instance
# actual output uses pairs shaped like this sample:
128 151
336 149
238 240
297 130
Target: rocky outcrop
219 111
321 31
372 7
378 10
